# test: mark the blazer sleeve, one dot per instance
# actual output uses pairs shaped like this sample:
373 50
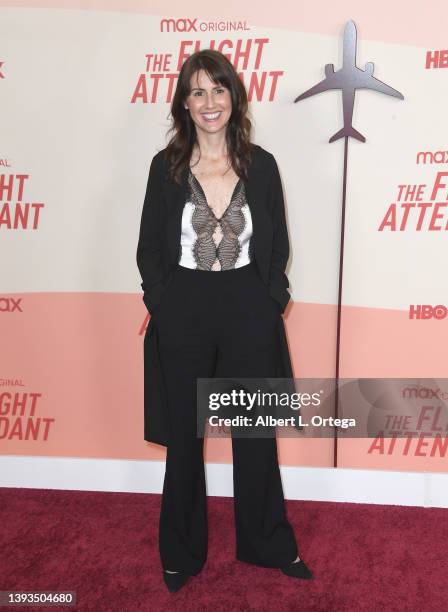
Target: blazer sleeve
149 258
278 281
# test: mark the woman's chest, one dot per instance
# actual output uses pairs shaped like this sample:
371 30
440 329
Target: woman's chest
254 191
215 188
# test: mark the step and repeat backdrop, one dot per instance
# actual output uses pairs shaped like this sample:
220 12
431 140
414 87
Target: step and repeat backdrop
85 92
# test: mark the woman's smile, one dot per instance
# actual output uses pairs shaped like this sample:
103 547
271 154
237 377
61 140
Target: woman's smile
212 116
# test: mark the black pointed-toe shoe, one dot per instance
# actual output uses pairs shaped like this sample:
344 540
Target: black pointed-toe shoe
176 581
297 570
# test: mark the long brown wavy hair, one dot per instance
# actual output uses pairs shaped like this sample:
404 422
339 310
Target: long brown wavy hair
180 147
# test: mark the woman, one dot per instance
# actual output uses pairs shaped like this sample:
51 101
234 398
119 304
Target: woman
212 251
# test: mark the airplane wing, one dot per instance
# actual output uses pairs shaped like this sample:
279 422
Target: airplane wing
330 82
370 82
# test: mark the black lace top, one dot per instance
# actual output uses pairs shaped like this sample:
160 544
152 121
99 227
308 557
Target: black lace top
212 243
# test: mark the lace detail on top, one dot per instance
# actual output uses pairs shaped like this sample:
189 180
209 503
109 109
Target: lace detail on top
219 241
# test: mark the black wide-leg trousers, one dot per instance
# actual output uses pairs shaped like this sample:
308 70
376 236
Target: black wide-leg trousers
218 324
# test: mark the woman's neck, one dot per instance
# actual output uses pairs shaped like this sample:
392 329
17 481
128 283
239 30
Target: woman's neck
211 149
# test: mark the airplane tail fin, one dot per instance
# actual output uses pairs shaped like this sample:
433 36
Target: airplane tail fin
347 132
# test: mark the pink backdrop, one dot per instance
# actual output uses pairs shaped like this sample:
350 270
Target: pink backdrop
85 91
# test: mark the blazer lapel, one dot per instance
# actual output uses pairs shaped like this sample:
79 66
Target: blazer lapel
255 199
175 198
252 196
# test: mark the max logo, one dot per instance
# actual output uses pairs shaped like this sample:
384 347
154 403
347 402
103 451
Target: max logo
178 25
10 304
427 157
424 393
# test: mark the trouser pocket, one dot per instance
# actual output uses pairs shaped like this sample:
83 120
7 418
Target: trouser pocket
266 292
170 284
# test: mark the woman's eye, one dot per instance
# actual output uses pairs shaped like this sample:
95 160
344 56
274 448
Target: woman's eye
217 90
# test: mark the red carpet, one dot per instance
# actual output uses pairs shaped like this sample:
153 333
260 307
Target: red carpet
104 546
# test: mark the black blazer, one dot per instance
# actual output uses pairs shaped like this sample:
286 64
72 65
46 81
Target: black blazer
158 249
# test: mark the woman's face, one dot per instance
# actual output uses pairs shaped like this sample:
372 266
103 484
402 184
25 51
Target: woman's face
210 104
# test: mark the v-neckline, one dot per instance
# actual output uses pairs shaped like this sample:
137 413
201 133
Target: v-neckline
205 197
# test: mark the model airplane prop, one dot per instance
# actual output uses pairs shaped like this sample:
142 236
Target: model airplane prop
347 79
